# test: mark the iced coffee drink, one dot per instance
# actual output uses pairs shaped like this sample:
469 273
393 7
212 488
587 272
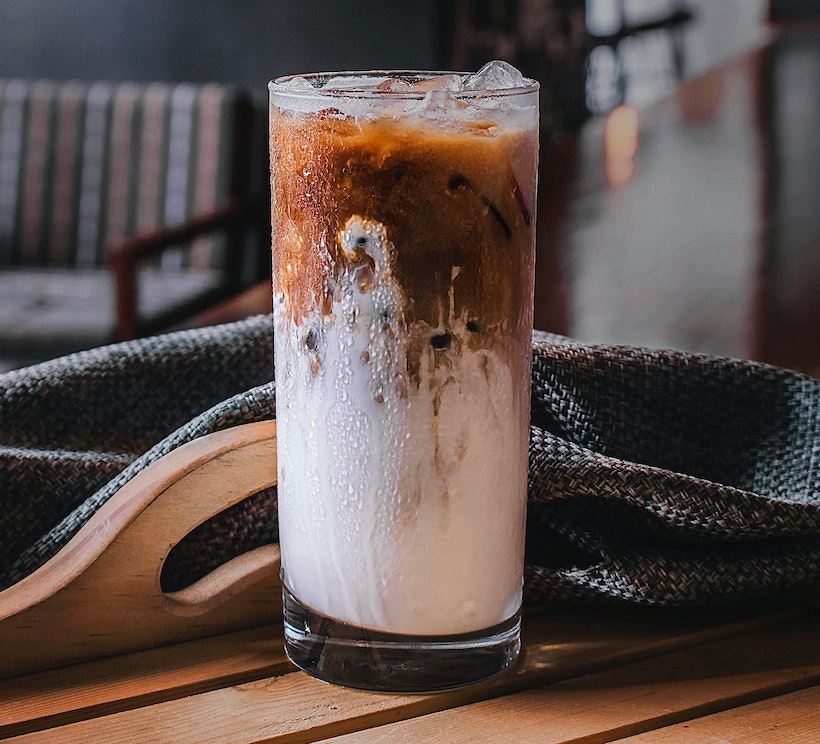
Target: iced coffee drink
403 209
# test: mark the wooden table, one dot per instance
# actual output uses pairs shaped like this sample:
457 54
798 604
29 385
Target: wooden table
745 674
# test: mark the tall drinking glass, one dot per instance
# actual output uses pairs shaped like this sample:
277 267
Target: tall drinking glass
403 208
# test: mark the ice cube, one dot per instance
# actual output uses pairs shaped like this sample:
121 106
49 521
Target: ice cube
495 75
451 82
298 83
352 82
436 103
394 85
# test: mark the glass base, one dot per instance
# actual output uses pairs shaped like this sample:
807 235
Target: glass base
374 660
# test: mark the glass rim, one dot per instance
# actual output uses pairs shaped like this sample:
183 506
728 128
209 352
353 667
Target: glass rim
278 85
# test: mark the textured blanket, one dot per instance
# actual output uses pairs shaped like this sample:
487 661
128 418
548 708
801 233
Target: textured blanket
656 477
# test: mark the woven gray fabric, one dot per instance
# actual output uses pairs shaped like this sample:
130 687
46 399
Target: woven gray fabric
669 478
75 429
655 477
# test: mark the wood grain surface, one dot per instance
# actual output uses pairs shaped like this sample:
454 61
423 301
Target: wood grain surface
101 594
600 674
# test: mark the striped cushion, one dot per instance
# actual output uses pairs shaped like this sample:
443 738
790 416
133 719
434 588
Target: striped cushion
84 165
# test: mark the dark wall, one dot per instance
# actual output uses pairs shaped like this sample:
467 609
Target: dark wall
246 42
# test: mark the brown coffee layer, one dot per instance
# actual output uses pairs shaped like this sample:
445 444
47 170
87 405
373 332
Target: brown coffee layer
448 198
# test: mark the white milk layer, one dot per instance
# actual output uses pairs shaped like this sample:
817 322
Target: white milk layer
401 501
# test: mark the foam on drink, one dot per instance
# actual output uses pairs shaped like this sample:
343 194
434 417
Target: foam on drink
403 251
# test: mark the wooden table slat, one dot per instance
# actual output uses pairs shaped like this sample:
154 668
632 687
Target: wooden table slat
44 699
793 718
295 707
606 706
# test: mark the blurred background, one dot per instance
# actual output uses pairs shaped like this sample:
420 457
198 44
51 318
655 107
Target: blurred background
248 42
679 166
